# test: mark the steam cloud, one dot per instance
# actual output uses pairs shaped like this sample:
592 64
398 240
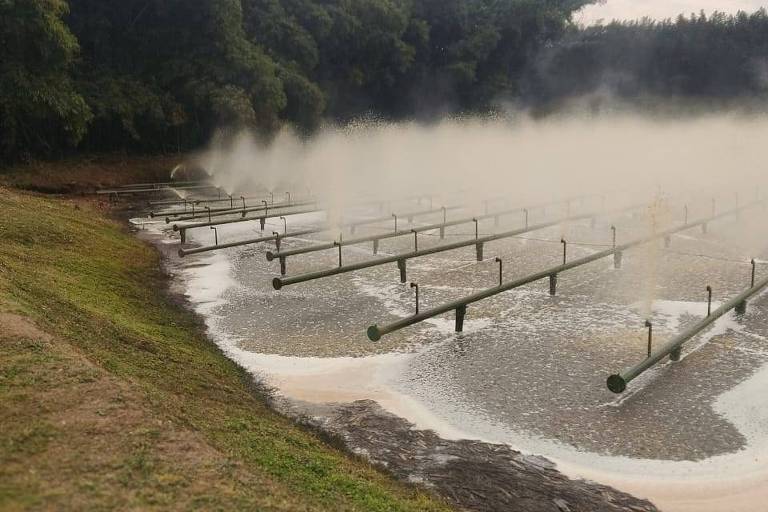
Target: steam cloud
521 160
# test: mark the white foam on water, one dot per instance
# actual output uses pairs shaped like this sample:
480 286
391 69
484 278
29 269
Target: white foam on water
387 294
734 482
207 284
314 379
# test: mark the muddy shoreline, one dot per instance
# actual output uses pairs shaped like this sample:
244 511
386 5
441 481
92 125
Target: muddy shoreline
471 474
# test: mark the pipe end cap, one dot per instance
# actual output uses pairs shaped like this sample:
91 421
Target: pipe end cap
617 384
270 256
277 283
373 333
182 253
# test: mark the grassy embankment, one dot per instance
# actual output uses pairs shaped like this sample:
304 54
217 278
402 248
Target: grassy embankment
112 398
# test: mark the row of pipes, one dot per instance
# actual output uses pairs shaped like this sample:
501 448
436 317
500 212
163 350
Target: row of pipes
615 382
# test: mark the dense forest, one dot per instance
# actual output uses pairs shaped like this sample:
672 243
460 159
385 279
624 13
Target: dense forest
162 75
717 60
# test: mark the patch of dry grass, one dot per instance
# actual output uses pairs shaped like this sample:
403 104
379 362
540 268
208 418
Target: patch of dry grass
85 174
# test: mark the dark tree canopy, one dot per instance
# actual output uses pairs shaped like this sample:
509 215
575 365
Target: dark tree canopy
40 106
160 75
712 59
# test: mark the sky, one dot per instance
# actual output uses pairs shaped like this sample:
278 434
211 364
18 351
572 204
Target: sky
660 9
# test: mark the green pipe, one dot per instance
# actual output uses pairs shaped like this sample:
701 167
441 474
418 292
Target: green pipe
270 255
222 212
419 229
370 238
197 250
281 255
375 332
175 212
410 215
280 282
618 382
198 200
180 227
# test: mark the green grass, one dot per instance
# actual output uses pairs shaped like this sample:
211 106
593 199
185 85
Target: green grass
149 384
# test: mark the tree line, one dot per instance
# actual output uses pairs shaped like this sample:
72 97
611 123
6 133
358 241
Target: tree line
162 75
718 60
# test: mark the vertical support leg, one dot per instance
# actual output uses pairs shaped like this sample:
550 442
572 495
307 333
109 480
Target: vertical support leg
376 246
461 312
479 251
442 233
262 221
183 233
553 285
565 250
416 286
401 267
282 265
617 257
649 325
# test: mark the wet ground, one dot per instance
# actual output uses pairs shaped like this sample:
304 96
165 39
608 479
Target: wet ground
530 369
472 474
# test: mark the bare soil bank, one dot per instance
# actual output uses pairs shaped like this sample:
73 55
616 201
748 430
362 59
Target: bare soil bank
472 474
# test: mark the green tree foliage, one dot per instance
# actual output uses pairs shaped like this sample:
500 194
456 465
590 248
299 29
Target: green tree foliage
159 75
161 72
718 58
478 50
40 109
154 75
